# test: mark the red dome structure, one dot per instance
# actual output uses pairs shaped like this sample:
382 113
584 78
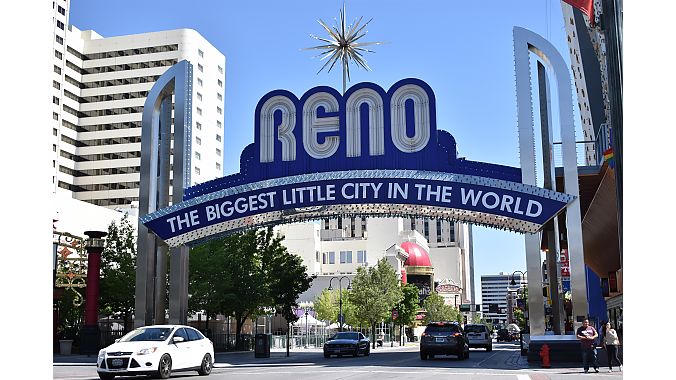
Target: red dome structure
417 256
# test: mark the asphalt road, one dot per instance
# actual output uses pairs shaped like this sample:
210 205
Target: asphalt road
504 362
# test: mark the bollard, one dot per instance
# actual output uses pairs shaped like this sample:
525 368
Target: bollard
544 354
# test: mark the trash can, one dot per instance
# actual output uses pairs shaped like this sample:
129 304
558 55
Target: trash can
262 345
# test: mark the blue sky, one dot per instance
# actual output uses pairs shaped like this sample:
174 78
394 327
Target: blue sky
462 49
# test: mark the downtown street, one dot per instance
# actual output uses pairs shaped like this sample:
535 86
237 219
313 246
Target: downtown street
504 362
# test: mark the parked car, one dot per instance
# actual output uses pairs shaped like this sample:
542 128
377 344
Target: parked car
347 343
158 351
504 336
443 338
479 335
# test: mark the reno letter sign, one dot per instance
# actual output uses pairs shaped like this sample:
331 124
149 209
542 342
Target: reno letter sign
369 152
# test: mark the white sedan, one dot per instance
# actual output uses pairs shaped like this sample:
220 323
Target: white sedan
157 351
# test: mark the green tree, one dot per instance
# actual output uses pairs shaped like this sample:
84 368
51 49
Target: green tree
375 293
408 307
437 310
327 305
242 273
118 271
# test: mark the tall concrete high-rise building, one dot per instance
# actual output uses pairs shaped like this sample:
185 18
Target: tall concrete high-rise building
100 87
495 288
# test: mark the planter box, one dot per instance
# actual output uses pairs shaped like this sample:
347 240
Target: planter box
65 346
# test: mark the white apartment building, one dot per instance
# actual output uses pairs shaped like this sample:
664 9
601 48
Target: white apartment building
495 288
336 247
100 87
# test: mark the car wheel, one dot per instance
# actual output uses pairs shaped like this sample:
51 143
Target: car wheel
106 376
423 355
164 367
207 365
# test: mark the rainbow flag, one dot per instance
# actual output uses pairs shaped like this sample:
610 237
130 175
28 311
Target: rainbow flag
609 157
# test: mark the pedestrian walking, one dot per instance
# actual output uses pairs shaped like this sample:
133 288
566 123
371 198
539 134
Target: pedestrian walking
587 335
611 343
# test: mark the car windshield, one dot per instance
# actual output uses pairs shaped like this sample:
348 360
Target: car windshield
347 335
156 334
475 328
442 329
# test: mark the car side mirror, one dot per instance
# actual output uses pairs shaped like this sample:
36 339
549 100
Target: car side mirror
178 339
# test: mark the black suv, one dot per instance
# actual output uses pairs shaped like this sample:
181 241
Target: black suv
443 338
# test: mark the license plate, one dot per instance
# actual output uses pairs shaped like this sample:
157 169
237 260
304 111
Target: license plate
440 340
116 362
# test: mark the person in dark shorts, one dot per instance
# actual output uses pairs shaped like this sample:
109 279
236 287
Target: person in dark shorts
587 335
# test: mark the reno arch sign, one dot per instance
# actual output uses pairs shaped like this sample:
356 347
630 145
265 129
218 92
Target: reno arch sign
369 152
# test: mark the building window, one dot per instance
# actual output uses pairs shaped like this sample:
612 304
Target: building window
219 124
412 224
451 233
345 257
340 223
438 230
199 111
60 24
58 54
323 257
218 166
199 96
332 257
197 170
199 82
218 152
59 39
218 138
361 257
55 131
219 110
220 83
200 68
220 69
427 229
198 141
56 85
219 96
326 224
55 116
61 10
198 125
55 100
200 53
198 156
57 69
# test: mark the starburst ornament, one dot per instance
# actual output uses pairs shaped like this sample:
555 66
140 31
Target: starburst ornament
343 45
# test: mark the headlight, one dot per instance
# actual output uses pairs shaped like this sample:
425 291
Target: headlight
147 351
102 353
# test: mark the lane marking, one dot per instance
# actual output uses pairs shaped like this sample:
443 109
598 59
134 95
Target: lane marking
522 377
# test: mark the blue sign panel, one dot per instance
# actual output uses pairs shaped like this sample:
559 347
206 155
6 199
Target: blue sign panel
367 153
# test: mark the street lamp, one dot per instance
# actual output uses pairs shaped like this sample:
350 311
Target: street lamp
340 297
306 306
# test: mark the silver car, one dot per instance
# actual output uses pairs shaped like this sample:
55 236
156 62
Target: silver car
479 335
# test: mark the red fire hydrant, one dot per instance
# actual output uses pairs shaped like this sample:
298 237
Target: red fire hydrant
544 354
